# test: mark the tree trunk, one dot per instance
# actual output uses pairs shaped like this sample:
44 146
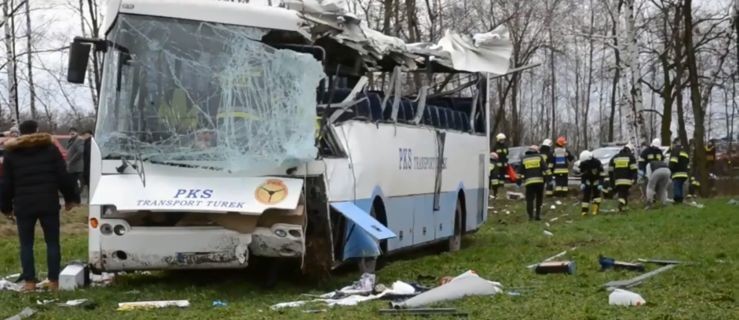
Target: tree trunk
29 41
96 63
553 87
590 75
11 59
699 156
637 99
667 101
616 77
432 20
516 134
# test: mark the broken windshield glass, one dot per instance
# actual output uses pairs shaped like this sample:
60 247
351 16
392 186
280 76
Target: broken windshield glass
205 94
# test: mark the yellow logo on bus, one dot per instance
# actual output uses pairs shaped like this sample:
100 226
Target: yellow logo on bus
272 191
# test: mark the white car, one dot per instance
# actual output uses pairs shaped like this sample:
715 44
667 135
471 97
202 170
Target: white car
604 154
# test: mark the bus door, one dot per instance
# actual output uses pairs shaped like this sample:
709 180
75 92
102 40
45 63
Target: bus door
439 217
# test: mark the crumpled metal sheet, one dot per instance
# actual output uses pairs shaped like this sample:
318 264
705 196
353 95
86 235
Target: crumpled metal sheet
466 284
490 52
484 52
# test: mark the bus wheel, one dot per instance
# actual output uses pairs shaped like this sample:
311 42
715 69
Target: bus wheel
455 242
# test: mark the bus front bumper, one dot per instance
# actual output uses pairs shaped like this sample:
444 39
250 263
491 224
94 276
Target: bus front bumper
149 248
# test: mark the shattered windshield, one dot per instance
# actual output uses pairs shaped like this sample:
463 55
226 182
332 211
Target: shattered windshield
205 94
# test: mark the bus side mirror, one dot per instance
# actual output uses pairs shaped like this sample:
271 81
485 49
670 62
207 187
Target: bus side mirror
79 54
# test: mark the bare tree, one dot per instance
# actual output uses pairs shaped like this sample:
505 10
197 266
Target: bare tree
29 55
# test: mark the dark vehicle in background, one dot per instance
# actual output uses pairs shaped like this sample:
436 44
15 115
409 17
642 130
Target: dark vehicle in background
727 157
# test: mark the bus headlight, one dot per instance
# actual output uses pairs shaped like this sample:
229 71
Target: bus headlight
280 233
119 230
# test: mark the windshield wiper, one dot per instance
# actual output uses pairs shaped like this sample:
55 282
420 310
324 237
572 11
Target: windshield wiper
137 163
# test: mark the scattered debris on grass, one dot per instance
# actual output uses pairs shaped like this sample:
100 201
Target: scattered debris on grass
553 207
102 280
531 266
662 262
45 302
515 195
72 277
26 313
353 295
466 284
126 306
622 297
548 234
567 267
11 286
733 202
219 303
559 203
637 280
695 204
82 303
553 219
425 312
610 263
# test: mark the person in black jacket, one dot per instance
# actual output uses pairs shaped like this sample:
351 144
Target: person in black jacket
591 182
87 135
679 166
501 149
650 153
532 171
34 174
623 173
546 152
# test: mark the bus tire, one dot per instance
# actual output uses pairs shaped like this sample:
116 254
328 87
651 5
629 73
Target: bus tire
455 242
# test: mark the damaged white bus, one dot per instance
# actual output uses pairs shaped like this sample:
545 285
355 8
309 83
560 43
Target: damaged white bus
227 131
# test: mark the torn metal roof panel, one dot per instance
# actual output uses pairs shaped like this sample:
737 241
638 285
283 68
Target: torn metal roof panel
486 52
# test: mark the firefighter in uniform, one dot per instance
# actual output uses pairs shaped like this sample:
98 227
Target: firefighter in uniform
493 178
623 172
649 154
546 151
710 156
502 150
679 166
532 171
591 183
561 164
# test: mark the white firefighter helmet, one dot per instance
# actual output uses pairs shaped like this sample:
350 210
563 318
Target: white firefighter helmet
547 142
630 146
586 155
500 136
656 143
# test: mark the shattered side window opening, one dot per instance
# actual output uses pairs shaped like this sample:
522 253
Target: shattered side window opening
206 95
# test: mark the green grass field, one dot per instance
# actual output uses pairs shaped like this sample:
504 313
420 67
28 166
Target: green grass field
705 289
